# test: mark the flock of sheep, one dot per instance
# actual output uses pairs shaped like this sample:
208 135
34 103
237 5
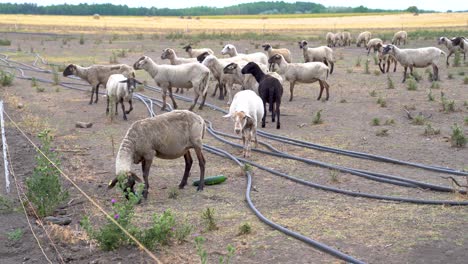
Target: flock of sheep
172 135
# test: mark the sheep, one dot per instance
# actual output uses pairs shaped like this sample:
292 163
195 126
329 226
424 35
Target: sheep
246 109
330 37
269 89
193 53
309 72
418 58
172 57
337 39
454 44
372 44
398 37
257 57
346 38
271 51
248 79
385 59
97 75
119 90
166 136
182 76
323 54
363 37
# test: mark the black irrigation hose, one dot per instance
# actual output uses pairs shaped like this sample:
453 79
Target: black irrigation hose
320 246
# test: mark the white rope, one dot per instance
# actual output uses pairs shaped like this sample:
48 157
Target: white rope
5 149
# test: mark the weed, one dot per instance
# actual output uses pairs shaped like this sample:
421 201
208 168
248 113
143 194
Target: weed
390 84
208 217
375 121
139 36
82 39
44 189
226 260
57 89
56 77
33 82
447 105
6 78
5 42
160 232
465 80
334 176
317 118
461 73
430 131
430 96
40 89
201 252
382 102
458 138
182 232
466 120
247 167
450 76
5 205
417 76
154 36
113 58
419 120
343 101
245 229
349 70
457 59
173 193
430 76
15 235
377 72
122 53
376 60
435 85
412 85
358 61
366 67
389 122
115 37
382 133
373 93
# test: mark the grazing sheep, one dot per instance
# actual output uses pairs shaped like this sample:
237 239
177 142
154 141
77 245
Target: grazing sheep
330 37
346 38
372 44
119 90
257 57
246 109
419 58
249 80
170 55
97 75
181 76
454 44
337 39
166 136
398 37
323 54
385 59
270 90
271 51
193 53
364 37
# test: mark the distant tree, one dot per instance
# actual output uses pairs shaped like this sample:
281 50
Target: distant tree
413 9
449 11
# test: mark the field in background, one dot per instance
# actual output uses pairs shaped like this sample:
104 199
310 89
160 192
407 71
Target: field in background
272 24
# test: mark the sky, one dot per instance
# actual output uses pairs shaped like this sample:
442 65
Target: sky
436 5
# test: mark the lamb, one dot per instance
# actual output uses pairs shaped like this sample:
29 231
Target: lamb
418 58
257 57
271 51
398 37
458 43
172 57
246 109
385 59
372 44
97 75
364 37
166 136
346 38
309 72
323 54
119 90
181 76
330 37
193 53
269 89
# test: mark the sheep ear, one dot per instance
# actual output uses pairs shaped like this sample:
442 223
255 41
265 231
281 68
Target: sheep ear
135 177
137 81
227 116
112 183
123 81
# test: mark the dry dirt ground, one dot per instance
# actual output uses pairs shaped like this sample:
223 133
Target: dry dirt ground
370 230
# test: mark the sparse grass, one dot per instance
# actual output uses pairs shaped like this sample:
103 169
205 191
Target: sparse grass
349 70
465 80
182 231
375 121
209 220
358 61
247 167
55 75
389 122
417 76
15 235
366 67
458 138
113 58
450 76
390 84
6 205
430 96
317 118
6 78
377 72
245 229
457 59
381 101
373 93
82 39
419 120
334 176
376 60
411 84
382 133
173 193
5 42
139 36
466 120
33 82
435 85
448 106
122 53
461 73
40 89
343 101
430 131
201 252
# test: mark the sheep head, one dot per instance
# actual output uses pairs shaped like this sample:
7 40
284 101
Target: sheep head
388 49
131 84
250 67
266 46
187 48
128 182
241 121
302 44
140 63
227 49
167 54
70 70
201 57
230 68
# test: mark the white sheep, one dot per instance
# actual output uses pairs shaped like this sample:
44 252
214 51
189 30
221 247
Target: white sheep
337 39
166 136
309 72
330 37
170 55
189 75
363 37
398 37
386 59
246 109
271 51
193 53
97 75
323 54
419 58
256 57
372 44
119 90
248 80
346 38
461 45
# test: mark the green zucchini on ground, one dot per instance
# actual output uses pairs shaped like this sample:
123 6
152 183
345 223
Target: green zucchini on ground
211 180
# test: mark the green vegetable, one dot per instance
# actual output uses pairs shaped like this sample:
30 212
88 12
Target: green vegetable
211 180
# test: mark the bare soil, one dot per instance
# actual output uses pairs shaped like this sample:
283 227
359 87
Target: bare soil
370 230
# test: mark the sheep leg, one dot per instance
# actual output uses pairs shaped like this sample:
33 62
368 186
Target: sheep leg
436 72
395 62
194 102
278 126
124 113
97 93
181 90
215 90
411 73
327 86
92 94
254 131
264 114
404 73
244 150
107 107
188 165
321 90
382 69
145 167
116 107
201 163
174 104
271 105
247 145
291 89
130 102
450 54
332 65
222 90
164 99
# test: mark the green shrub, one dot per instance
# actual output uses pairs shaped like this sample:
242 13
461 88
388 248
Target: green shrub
43 187
245 229
33 82
382 133
226 260
447 105
377 72
458 138
173 193
457 59
466 120
182 232
209 220
82 39
6 78
113 58
389 122
56 77
430 96
412 85
430 131
465 80
461 73
366 67
382 102
5 42
390 84
419 120
450 76
373 93
201 252
160 232
435 85
417 76
15 235
317 118
375 121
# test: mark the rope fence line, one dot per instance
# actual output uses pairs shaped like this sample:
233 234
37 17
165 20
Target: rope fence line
5 150
150 254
